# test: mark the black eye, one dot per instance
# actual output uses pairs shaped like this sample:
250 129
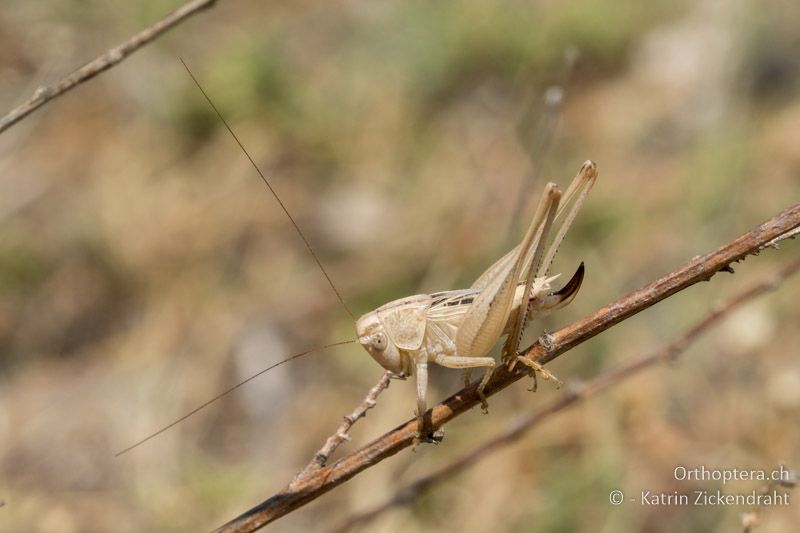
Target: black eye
379 341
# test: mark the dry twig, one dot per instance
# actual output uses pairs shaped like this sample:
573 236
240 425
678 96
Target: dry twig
574 395
302 490
333 442
111 57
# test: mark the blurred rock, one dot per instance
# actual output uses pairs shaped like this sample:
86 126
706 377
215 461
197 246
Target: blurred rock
783 387
353 216
747 329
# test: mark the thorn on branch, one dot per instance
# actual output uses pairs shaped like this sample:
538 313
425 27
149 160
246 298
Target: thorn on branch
42 92
547 341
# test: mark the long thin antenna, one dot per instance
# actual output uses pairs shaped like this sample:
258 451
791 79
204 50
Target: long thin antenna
271 189
224 393
539 139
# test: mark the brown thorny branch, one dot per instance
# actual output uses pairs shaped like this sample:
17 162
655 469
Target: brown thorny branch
333 442
108 59
576 393
317 479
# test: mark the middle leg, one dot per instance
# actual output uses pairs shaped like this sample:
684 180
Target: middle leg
458 361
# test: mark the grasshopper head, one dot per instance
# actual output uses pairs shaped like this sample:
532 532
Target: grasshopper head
373 337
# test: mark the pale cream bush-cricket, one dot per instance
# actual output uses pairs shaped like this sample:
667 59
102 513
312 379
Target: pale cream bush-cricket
458 328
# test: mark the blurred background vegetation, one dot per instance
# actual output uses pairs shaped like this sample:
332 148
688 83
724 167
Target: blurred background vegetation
144 267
